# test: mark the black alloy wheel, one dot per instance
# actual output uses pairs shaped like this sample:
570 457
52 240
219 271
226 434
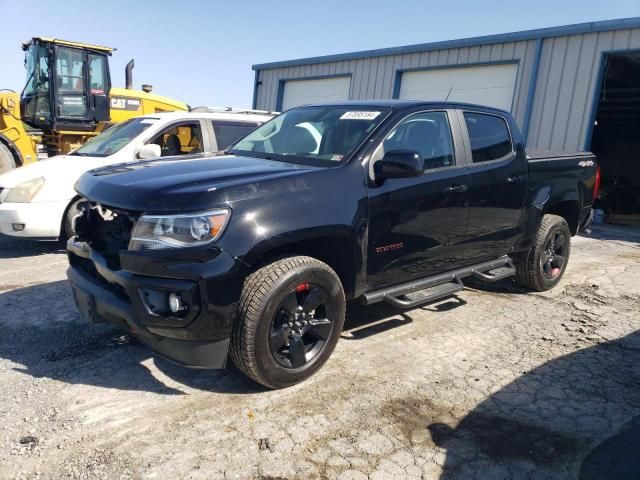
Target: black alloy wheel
554 254
300 329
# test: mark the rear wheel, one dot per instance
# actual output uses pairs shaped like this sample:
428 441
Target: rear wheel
291 315
7 161
546 262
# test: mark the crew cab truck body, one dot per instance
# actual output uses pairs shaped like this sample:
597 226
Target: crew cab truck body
253 254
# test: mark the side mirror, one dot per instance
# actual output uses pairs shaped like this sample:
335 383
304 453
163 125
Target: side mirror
399 164
149 150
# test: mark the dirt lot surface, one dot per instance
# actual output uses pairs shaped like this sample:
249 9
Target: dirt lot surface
492 383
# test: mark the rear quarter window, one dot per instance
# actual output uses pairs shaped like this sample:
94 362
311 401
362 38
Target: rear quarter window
489 136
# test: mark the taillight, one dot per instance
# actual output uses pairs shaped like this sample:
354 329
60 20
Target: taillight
596 186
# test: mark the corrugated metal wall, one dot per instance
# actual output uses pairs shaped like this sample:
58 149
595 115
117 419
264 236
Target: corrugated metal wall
374 77
566 80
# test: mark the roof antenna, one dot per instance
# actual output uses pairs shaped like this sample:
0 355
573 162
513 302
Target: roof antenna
450 90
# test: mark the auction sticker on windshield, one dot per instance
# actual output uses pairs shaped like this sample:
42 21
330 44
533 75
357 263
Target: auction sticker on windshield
363 115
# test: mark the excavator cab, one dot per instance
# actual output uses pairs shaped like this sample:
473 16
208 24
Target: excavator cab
67 85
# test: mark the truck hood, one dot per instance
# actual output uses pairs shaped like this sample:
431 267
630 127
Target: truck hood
167 185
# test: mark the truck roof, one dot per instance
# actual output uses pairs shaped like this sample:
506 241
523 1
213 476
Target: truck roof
405 104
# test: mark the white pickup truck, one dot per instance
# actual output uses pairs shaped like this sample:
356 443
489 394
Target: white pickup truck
38 201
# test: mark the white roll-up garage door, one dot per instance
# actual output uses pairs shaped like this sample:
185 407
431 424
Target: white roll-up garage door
301 92
491 85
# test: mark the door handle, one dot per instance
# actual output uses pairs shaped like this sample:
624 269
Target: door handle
514 179
456 188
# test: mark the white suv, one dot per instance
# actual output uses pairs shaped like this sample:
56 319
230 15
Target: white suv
37 201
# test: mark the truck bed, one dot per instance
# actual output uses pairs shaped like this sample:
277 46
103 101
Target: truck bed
571 177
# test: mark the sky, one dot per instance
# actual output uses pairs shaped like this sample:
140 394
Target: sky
201 52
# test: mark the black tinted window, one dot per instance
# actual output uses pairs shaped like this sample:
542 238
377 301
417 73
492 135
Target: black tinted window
428 134
228 133
489 136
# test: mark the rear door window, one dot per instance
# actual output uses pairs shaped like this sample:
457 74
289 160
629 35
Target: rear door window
228 133
489 136
181 139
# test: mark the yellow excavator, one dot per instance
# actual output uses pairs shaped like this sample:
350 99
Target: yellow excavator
67 100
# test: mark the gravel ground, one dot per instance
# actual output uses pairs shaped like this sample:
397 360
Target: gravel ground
491 383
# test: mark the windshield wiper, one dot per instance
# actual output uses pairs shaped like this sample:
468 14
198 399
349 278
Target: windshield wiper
252 154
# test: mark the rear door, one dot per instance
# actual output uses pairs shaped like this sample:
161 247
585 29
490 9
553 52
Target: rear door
417 224
497 185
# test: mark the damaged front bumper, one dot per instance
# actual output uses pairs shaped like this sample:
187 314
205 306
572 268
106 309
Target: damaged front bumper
134 296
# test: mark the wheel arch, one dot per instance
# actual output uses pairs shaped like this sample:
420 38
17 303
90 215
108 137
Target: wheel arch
337 251
569 209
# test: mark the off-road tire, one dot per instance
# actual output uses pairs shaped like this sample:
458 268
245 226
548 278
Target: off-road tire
529 270
260 301
7 161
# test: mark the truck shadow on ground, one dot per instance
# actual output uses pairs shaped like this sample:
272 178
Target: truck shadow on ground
11 248
576 416
625 233
44 334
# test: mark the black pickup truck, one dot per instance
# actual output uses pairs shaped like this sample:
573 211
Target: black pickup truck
253 254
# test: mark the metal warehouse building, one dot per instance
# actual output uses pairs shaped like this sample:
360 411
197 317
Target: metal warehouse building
574 87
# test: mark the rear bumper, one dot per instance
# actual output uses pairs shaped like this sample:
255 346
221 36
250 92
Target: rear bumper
199 339
41 220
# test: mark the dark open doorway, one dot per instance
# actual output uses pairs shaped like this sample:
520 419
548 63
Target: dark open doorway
616 135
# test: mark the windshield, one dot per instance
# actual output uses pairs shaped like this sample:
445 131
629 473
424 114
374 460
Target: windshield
114 139
325 134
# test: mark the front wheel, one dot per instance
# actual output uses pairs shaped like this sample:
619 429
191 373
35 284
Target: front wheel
291 313
547 260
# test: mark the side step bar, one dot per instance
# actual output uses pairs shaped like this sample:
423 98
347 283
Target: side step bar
428 289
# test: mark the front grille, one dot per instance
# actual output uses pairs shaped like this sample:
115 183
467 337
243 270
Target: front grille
106 230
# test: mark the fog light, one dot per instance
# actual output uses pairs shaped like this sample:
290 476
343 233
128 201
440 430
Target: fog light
175 303
17 227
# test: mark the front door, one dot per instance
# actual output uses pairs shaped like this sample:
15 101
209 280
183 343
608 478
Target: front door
416 224
497 188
